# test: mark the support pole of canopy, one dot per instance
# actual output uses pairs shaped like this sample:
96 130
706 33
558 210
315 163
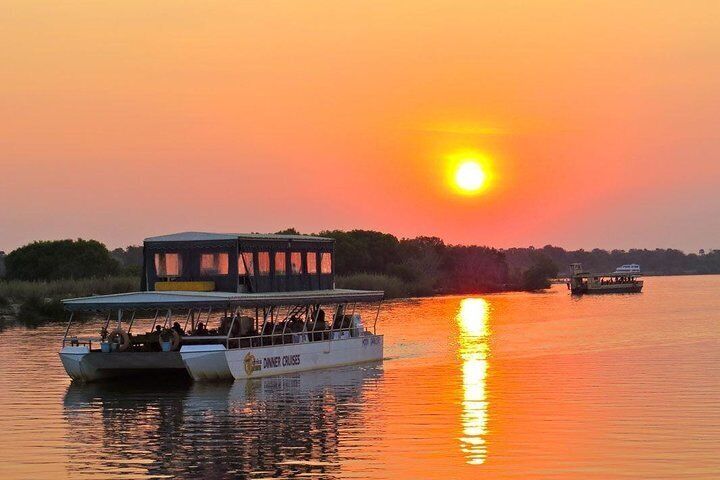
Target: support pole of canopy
230 329
67 329
168 315
307 319
132 320
157 313
107 322
285 322
317 314
187 319
206 321
376 318
120 316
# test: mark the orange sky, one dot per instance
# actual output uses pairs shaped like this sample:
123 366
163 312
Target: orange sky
121 120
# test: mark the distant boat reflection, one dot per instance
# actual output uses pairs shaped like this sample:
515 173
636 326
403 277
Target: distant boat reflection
474 331
279 426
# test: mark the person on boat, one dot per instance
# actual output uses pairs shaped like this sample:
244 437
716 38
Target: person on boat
201 329
347 322
320 326
224 326
158 329
267 332
295 325
281 333
339 314
337 322
176 326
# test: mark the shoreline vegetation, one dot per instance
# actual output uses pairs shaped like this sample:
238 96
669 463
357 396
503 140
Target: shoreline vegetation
38 275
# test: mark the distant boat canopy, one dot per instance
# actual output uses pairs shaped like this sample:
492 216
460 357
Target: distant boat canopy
628 268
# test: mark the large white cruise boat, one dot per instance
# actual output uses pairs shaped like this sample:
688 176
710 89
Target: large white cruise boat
283 316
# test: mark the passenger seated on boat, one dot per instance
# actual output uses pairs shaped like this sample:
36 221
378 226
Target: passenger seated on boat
337 319
247 329
319 327
201 329
295 325
158 329
281 333
247 326
287 332
343 322
267 332
224 325
176 326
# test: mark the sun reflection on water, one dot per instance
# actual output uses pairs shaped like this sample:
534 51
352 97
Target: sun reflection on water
474 331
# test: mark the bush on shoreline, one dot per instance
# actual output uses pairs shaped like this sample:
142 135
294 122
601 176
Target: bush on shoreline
39 302
17 291
393 286
36 311
58 259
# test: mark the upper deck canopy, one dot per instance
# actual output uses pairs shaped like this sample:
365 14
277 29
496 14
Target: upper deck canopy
204 236
164 300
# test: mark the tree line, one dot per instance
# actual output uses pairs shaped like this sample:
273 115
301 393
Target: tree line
421 265
659 261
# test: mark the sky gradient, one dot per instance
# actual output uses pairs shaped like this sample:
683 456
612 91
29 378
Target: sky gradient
122 120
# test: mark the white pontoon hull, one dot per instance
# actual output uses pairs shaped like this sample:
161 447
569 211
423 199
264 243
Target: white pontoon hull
84 365
206 363
299 357
203 362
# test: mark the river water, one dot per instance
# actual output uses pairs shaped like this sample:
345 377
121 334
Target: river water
496 386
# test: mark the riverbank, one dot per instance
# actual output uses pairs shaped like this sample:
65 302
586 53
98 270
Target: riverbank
37 303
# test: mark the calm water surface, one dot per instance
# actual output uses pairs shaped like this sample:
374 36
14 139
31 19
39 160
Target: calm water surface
497 386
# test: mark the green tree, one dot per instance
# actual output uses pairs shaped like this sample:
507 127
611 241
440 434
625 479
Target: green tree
363 251
288 231
468 269
60 259
537 276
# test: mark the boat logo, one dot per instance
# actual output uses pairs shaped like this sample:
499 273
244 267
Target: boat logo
251 365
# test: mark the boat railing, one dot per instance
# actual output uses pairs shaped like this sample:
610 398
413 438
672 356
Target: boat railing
272 339
310 331
80 341
289 337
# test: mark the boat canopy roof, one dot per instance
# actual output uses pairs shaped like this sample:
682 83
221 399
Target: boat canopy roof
164 300
204 236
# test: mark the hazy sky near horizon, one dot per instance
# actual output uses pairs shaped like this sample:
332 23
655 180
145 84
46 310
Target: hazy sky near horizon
601 119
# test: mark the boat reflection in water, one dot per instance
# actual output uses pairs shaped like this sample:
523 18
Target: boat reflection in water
275 426
474 332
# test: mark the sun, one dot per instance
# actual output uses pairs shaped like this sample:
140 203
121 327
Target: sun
470 176
469 172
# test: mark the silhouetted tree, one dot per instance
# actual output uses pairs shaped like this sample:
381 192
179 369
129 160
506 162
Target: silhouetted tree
288 231
128 256
363 251
53 260
537 276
